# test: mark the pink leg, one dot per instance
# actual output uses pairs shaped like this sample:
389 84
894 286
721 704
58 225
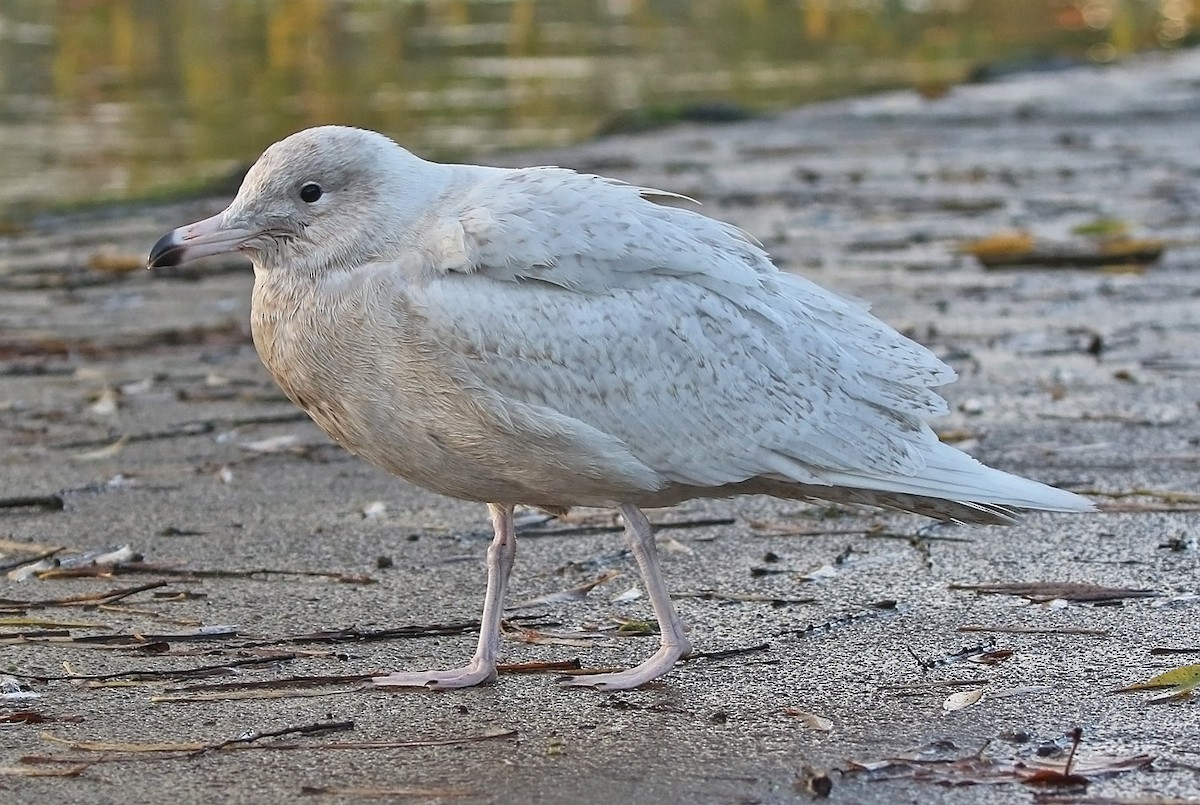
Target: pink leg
482 667
675 644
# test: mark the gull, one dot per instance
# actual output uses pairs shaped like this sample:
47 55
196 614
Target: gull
549 338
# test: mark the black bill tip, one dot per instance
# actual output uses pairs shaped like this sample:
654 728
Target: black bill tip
167 252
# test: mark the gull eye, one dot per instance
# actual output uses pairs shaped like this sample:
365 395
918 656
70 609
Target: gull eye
310 192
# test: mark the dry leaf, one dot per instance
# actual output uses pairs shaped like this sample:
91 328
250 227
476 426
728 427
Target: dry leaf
991 657
810 720
962 699
1179 684
672 545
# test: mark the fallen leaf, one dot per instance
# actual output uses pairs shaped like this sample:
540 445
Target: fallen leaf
1179 684
991 657
962 700
810 720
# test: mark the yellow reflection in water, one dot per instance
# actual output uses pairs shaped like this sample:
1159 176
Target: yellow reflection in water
119 97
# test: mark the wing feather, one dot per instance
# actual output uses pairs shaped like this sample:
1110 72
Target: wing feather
676 335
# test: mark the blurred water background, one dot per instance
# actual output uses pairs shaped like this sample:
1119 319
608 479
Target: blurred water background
129 99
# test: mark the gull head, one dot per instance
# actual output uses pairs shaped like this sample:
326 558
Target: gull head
324 199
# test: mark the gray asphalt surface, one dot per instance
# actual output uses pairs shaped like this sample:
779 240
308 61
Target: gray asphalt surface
1087 379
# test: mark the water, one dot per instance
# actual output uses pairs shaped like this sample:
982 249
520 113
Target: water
119 99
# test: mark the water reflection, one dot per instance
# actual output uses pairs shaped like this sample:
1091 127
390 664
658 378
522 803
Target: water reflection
118 98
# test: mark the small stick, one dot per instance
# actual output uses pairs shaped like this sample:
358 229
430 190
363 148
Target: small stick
307 729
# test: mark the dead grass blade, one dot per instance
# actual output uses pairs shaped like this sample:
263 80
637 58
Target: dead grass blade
38 771
1043 591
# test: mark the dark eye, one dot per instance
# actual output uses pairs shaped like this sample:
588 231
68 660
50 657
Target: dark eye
310 192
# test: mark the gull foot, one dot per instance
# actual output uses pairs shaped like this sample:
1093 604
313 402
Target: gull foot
663 660
466 677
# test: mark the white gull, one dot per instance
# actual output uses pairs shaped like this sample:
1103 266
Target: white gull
539 336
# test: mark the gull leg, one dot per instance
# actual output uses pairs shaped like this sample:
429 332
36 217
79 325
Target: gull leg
675 644
482 667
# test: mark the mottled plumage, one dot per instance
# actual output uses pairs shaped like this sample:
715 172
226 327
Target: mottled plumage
544 337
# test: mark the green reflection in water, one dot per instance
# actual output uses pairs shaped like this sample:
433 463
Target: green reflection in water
123 98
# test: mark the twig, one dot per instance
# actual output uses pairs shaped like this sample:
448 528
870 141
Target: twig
202 670
118 752
319 728
729 652
124 568
95 599
49 502
286 682
119 595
